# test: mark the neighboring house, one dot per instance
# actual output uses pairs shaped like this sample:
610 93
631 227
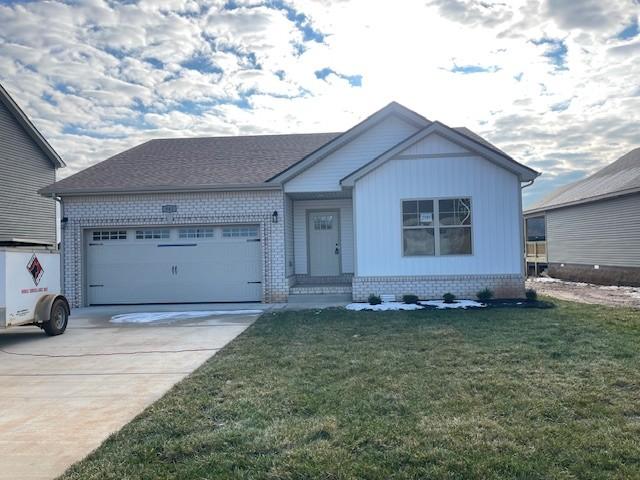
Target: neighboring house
397 204
592 226
27 164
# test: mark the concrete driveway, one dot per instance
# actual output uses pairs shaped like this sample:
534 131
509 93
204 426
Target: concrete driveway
60 397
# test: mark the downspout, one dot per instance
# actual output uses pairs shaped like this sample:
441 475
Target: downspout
523 244
63 225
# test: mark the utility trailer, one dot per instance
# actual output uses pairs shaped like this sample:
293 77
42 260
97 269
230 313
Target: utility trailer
30 289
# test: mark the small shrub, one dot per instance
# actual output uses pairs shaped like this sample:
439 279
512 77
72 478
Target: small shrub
410 299
485 294
374 299
531 295
449 297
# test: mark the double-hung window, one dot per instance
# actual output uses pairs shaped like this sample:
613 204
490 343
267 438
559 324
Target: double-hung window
436 227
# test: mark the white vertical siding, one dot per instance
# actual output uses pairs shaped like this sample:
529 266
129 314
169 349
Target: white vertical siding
300 208
496 216
326 174
433 144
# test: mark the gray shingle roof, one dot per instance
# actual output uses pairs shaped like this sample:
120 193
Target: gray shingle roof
201 163
194 162
621 176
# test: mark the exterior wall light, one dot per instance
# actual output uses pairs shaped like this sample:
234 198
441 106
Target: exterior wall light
274 216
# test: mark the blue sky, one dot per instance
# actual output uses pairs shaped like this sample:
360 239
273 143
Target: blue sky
555 83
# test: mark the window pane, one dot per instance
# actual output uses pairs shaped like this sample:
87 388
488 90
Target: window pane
455 241
455 212
323 222
418 241
410 219
410 206
236 232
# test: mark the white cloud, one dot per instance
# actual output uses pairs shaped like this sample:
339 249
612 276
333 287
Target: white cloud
559 92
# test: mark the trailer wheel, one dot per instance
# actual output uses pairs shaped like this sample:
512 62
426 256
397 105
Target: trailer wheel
57 323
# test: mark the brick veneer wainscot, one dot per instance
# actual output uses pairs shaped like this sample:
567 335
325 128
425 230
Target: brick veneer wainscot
105 211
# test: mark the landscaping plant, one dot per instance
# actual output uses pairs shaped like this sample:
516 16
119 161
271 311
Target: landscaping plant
485 294
374 299
531 295
410 299
449 297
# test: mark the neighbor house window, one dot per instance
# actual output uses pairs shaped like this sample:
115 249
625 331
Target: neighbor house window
195 233
436 227
235 232
110 235
151 234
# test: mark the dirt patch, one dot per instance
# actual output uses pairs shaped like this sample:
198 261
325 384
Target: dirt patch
586 292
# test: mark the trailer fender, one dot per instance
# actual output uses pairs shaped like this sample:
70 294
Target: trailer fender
43 307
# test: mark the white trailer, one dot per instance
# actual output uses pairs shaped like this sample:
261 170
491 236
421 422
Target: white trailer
30 289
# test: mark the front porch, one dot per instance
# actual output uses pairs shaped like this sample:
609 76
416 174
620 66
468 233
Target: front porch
319 244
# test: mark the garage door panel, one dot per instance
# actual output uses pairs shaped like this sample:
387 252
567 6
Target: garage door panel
174 270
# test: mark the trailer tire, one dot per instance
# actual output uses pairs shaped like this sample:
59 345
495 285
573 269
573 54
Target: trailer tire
57 323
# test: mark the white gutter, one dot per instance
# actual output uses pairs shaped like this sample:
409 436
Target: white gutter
161 189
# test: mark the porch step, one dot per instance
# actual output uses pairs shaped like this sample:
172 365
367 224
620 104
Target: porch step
344 279
320 289
322 299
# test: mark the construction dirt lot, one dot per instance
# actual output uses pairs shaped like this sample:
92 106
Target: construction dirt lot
586 292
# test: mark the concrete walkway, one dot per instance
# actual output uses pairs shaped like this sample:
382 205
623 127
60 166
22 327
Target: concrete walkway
60 397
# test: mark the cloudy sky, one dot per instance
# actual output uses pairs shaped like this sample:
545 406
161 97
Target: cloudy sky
555 83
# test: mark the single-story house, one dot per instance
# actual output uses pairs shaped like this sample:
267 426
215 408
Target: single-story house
397 204
592 227
27 164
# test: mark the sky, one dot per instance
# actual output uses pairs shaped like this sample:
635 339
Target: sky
554 83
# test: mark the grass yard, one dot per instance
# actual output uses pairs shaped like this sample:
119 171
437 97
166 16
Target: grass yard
489 394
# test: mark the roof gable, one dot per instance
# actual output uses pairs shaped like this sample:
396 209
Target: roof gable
465 144
26 124
325 174
308 161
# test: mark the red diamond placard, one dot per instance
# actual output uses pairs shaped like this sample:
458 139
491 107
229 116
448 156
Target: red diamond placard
35 269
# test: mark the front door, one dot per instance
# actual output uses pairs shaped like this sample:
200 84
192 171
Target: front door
324 243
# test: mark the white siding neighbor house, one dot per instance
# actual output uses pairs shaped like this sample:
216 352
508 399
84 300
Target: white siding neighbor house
396 205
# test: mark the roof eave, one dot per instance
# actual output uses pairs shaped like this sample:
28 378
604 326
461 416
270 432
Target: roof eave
52 191
582 201
30 128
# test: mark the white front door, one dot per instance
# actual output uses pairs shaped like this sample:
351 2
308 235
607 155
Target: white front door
324 243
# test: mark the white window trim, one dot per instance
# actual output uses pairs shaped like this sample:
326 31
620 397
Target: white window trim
436 227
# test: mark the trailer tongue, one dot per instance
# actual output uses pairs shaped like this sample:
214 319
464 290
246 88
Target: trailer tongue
30 289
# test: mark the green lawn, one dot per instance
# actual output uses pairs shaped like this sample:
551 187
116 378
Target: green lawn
490 394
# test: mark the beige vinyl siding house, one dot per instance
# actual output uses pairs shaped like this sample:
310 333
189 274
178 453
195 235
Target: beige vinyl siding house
593 225
27 164
326 210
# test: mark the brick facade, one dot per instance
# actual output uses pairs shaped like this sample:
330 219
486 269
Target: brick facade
202 208
432 287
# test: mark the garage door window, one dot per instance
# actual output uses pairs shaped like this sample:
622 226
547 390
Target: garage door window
110 235
151 234
196 233
231 232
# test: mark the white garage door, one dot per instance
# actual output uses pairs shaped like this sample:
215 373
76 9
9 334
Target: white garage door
174 265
